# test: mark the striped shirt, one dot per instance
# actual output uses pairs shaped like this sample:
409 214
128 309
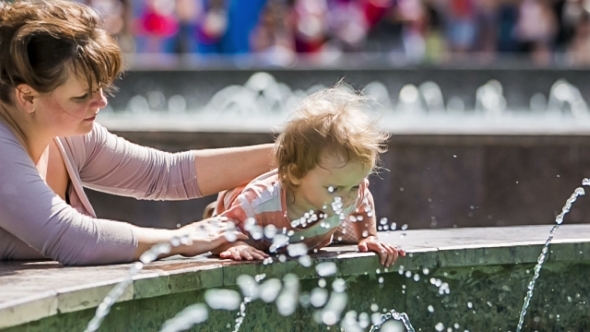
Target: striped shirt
262 203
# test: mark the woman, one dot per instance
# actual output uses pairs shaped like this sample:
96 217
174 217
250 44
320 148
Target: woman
55 65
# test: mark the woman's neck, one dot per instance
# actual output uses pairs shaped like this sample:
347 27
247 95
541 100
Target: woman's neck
32 139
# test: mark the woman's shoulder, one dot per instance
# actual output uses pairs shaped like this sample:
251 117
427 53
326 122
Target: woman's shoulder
9 141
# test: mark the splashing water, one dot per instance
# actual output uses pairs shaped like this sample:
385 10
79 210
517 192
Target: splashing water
392 314
558 220
147 257
191 315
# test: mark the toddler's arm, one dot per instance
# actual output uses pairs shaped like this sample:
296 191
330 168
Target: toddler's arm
366 232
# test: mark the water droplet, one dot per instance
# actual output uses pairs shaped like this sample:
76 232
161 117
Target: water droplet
339 285
326 269
322 283
456 326
184 320
426 271
269 290
404 227
416 277
380 280
469 305
270 231
439 326
454 156
374 307
430 308
586 182
318 297
305 261
222 299
297 249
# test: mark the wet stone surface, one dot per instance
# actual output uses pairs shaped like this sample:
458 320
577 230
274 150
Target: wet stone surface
475 278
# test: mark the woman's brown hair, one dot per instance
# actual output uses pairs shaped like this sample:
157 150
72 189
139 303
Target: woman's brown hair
41 42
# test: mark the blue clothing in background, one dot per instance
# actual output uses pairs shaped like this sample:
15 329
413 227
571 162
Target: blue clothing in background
242 17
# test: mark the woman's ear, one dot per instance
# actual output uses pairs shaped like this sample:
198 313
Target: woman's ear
25 97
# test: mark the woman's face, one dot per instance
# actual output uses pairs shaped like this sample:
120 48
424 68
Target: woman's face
70 109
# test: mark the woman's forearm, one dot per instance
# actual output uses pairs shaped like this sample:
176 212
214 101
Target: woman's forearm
226 168
148 237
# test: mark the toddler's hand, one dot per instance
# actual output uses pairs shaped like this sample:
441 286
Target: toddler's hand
387 253
239 250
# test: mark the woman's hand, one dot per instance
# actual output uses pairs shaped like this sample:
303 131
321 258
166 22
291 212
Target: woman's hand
240 250
387 253
207 235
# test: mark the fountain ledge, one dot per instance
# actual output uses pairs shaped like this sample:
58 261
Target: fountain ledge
30 291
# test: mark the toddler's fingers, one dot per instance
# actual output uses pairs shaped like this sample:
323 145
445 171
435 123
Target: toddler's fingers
363 247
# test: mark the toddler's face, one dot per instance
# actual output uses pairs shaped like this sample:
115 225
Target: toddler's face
333 177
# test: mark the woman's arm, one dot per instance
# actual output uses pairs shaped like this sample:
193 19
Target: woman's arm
199 237
32 214
226 168
114 165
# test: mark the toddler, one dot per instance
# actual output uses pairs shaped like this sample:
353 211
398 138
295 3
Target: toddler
319 192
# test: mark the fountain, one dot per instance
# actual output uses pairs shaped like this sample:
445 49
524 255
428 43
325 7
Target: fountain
263 103
474 284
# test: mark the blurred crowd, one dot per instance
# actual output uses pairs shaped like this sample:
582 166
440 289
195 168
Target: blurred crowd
423 31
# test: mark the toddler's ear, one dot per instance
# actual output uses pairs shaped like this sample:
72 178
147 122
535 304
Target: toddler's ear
292 175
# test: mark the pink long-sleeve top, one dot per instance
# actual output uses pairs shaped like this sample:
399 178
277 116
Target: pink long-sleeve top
35 223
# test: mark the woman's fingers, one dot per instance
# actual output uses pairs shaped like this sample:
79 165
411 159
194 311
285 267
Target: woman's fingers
236 254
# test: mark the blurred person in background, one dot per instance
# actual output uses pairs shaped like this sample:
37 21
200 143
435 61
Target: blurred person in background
487 32
433 32
347 24
156 25
116 15
401 30
211 23
536 29
310 25
461 26
578 52
187 14
272 38
507 17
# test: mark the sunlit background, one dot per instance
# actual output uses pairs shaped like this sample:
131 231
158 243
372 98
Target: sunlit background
278 32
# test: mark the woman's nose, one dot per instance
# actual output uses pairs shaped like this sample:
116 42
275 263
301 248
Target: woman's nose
99 101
